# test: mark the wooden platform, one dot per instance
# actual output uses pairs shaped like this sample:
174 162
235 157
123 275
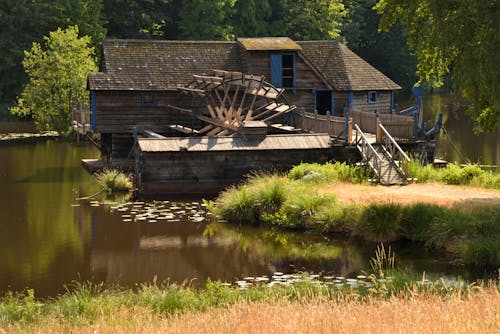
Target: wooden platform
96 165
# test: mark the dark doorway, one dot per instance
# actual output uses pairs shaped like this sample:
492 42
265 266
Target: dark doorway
323 101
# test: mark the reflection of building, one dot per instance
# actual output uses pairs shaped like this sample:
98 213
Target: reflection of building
130 253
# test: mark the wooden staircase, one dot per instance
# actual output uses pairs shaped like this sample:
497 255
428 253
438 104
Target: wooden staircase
387 160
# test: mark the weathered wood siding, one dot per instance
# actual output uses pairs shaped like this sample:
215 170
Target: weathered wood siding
383 105
259 62
198 172
121 111
340 99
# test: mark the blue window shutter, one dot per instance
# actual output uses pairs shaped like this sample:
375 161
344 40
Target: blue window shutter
333 103
315 91
277 70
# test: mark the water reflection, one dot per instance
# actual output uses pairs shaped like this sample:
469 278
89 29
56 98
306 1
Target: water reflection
461 144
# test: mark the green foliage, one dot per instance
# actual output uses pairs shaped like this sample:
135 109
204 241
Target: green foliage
471 175
206 19
385 50
291 203
114 181
380 222
329 172
309 19
458 35
137 18
26 21
58 76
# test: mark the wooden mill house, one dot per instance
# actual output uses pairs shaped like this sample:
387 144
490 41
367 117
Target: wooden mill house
244 101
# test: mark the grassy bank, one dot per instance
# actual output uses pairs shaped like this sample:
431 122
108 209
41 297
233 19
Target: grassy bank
158 309
298 201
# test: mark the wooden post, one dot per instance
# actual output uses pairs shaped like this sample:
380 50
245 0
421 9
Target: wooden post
379 132
349 136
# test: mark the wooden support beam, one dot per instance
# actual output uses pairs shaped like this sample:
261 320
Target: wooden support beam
151 134
183 129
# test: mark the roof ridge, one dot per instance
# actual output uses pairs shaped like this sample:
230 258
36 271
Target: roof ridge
164 41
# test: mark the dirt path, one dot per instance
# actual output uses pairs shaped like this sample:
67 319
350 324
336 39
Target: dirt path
432 193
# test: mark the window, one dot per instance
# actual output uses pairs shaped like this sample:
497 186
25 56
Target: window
148 99
283 70
372 97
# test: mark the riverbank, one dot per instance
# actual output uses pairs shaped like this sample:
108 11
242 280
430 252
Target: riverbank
460 220
306 307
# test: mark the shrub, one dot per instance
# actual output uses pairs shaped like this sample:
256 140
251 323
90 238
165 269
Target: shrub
416 220
114 181
329 172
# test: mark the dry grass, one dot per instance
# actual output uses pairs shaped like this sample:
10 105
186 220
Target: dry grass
479 312
430 193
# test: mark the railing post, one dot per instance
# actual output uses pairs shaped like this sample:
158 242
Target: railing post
346 128
349 136
378 131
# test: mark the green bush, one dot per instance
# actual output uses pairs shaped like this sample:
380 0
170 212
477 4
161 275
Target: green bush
329 172
417 219
238 205
114 181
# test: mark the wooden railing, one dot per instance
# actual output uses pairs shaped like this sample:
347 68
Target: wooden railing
367 151
335 126
401 127
398 157
81 118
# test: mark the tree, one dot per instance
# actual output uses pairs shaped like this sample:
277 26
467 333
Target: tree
23 22
385 50
458 36
252 18
57 76
206 19
137 18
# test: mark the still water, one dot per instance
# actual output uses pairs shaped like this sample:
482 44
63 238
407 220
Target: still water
49 238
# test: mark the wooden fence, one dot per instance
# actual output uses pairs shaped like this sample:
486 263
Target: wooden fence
81 118
333 125
400 127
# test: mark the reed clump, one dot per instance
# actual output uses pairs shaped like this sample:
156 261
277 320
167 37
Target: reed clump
330 172
114 181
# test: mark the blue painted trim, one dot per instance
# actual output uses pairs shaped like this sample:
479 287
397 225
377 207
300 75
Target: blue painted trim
92 109
369 100
332 110
277 70
316 90
350 99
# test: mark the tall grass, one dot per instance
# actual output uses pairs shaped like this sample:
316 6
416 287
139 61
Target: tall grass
471 175
313 172
156 308
277 201
114 180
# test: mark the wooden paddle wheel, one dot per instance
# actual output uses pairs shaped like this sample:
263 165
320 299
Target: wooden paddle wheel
234 101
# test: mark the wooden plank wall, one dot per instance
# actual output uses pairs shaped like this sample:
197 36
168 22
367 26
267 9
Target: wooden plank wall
164 171
121 111
383 105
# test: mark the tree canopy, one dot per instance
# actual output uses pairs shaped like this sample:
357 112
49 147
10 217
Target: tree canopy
57 77
458 36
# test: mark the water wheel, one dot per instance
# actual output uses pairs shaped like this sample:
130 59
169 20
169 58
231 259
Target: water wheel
232 99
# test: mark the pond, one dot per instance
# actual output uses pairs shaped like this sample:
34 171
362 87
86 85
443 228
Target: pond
49 238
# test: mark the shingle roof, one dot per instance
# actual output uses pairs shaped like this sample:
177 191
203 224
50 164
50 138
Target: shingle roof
343 68
160 65
271 142
147 65
269 43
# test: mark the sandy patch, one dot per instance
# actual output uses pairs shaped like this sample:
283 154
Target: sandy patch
431 193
